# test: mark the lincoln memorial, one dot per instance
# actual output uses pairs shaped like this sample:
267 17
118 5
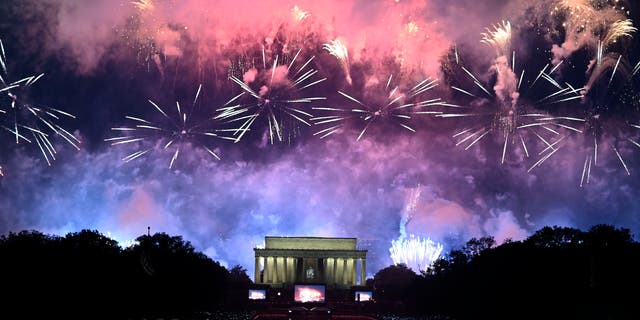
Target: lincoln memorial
332 261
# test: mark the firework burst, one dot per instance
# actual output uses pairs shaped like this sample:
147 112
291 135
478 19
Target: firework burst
587 15
605 132
605 128
298 14
499 37
500 112
174 132
144 5
149 33
601 135
339 50
617 30
393 106
26 122
415 252
276 94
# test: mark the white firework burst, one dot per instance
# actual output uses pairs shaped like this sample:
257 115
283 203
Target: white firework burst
392 106
276 94
175 131
26 122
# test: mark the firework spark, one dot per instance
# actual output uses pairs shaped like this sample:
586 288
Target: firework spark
26 122
337 49
584 21
501 112
601 128
277 94
143 4
299 14
600 134
150 35
587 15
396 107
617 30
174 131
416 253
499 38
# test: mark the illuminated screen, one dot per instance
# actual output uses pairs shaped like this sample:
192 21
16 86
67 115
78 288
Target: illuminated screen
363 295
257 294
309 293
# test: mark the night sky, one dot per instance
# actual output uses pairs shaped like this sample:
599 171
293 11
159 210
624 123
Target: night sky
448 180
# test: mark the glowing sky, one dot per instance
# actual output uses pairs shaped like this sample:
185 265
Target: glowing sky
104 59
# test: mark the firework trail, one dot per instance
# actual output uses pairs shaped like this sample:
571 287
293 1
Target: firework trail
175 131
394 106
26 122
500 111
276 93
337 49
415 252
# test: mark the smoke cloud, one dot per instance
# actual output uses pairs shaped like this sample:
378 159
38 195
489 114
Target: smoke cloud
105 59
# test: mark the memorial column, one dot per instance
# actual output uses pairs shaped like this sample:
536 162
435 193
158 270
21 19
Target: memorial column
363 271
256 275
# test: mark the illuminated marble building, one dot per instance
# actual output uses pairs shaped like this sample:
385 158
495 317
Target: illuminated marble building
335 262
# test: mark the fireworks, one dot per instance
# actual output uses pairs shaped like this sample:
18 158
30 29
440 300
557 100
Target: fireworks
337 49
299 14
619 29
602 130
578 12
395 107
502 112
275 93
499 38
600 133
415 252
584 22
175 132
412 27
150 35
143 4
26 122
601 127
586 15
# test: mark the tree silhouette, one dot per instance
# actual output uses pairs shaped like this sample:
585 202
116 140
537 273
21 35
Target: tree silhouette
87 271
558 272
392 283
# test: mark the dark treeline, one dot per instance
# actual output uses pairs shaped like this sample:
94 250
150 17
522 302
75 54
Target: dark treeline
557 273
87 275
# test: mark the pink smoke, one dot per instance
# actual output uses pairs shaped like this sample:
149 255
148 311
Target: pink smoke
403 30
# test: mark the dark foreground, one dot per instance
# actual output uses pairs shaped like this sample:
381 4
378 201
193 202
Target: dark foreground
557 273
